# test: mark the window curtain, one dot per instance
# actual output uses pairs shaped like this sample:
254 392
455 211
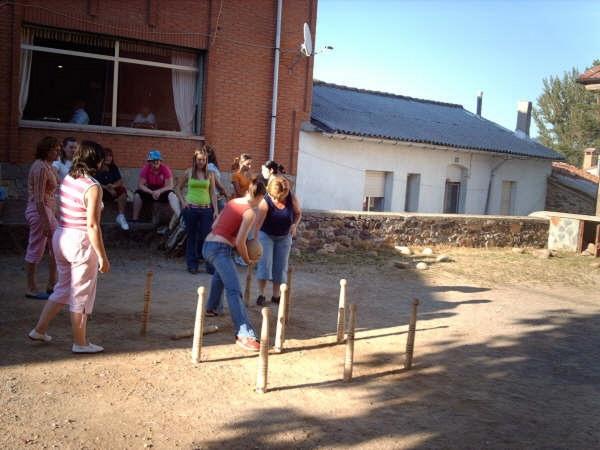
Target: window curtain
25 70
184 90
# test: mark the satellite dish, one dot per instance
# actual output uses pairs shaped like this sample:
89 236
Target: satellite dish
307 47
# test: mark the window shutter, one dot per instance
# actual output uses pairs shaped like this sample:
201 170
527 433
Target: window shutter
374 184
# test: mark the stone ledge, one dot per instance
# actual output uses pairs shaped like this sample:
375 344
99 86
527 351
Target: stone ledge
338 213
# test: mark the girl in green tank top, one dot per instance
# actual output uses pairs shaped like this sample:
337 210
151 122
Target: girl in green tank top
199 206
198 192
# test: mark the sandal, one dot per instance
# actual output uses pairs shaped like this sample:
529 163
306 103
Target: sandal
261 300
211 313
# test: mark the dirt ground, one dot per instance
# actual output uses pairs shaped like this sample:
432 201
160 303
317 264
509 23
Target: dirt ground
507 355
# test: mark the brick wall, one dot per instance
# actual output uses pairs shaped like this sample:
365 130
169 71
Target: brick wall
564 199
238 36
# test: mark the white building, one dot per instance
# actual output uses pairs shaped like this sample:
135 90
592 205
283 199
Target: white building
374 151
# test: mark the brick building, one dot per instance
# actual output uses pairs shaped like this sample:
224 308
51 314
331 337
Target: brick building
203 68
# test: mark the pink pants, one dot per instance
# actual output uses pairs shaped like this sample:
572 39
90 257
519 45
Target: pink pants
38 241
77 267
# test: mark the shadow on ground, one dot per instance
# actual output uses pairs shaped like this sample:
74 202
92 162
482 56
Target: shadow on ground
538 390
116 321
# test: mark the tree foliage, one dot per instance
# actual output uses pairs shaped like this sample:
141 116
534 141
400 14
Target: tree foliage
568 116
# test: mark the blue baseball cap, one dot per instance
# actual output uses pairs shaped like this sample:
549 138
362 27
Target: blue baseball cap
154 155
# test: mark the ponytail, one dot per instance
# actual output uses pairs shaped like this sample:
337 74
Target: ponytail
274 167
256 187
238 160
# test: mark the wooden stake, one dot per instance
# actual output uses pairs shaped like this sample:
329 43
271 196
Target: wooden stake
349 357
341 311
410 342
209 329
263 360
281 322
288 306
248 290
147 300
198 326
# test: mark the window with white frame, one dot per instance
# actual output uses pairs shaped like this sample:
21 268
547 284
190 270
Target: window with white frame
77 78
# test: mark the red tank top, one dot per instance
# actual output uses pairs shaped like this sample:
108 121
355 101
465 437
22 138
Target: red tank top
230 220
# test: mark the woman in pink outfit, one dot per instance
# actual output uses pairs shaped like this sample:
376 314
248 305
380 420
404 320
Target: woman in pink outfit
40 214
78 248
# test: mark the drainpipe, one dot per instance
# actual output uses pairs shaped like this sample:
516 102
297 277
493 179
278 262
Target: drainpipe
489 190
275 81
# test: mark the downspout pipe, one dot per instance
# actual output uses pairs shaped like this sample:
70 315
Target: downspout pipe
489 190
275 81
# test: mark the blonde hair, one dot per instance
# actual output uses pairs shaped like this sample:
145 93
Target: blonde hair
200 152
278 188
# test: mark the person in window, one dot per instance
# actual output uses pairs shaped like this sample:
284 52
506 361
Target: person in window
144 119
199 206
240 177
213 166
113 188
230 231
156 185
278 216
65 161
80 115
40 214
78 248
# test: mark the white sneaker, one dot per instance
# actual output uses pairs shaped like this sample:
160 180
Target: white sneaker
90 348
122 221
35 336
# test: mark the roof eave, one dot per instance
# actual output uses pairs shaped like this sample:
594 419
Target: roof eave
440 145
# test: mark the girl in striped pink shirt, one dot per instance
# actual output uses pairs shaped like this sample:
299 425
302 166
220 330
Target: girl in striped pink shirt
78 248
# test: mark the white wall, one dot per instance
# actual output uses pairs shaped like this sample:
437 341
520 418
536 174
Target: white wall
331 175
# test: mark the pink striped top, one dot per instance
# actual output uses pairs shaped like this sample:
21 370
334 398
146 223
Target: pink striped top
71 201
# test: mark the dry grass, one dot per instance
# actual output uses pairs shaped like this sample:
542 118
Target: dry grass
505 267
487 266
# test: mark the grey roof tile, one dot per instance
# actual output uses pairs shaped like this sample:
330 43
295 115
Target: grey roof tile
345 110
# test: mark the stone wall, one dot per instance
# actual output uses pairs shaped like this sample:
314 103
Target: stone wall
561 198
332 232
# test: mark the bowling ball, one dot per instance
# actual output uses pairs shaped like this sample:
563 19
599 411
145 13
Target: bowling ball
255 249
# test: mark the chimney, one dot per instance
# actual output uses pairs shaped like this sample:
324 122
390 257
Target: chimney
590 158
479 100
523 117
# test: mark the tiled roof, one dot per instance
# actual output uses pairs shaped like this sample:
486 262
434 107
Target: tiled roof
346 110
579 184
572 171
590 76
